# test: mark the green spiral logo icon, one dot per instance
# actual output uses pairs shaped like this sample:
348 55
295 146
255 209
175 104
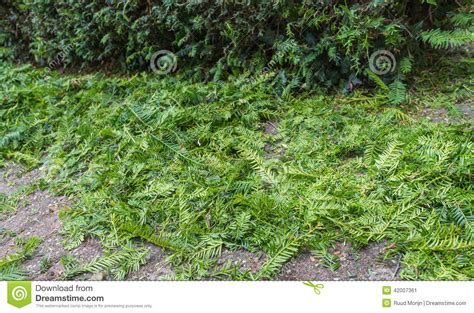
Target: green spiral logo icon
19 293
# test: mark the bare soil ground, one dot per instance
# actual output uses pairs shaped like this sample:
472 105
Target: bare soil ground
442 115
37 215
365 264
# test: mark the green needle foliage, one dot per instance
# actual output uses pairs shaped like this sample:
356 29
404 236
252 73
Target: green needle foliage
189 167
309 44
10 264
119 264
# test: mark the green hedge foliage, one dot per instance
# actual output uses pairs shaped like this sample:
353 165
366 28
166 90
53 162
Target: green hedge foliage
316 42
